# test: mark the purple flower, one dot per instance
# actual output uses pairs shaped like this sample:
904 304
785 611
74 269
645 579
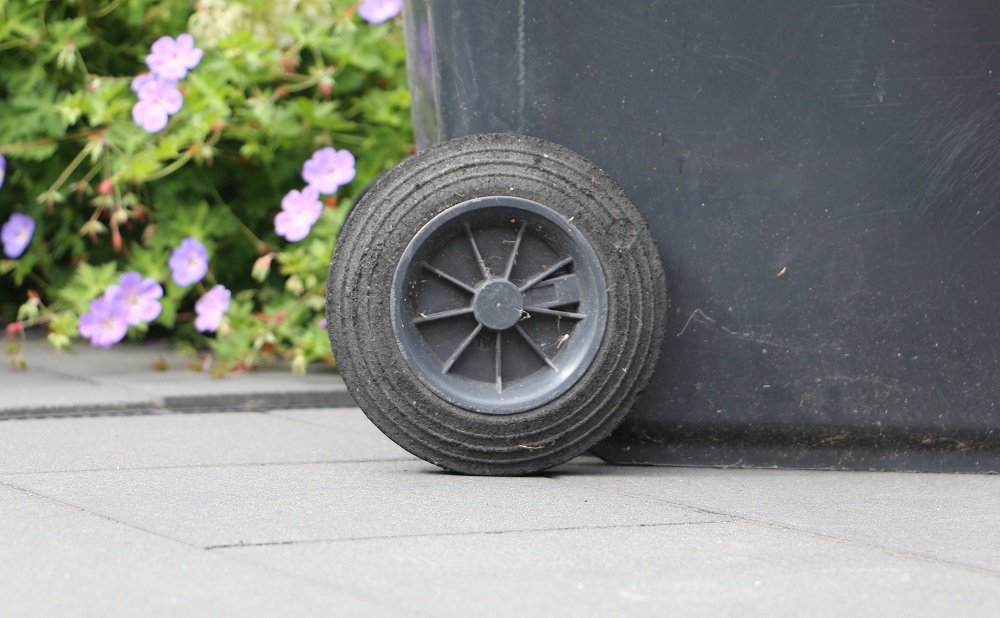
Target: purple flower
299 211
105 323
188 262
3 169
16 234
328 169
158 99
210 308
171 59
137 297
141 80
378 11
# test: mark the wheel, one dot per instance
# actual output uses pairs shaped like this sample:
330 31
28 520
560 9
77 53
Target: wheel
496 304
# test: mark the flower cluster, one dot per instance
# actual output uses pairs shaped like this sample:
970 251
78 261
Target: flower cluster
188 265
378 11
159 97
135 209
134 300
324 173
130 302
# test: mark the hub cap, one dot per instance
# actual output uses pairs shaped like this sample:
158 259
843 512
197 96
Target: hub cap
499 304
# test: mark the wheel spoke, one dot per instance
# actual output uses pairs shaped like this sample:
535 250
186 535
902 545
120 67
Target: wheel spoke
556 312
554 292
475 251
513 252
461 348
535 348
441 315
499 364
546 273
440 273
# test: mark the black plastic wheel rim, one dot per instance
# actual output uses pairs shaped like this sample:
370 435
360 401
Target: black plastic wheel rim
499 305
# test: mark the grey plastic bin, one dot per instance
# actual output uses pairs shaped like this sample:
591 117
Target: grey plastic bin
823 183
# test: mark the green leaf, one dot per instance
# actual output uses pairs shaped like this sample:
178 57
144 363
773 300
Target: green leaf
58 341
28 311
322 115
388 108
277 120
64 37
31 115
87 283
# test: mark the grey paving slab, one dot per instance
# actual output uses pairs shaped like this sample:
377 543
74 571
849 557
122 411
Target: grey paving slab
61 561
235 505
199 439
316 416
85 361
136 376
720 569
943 516
323 418
40 392
267 388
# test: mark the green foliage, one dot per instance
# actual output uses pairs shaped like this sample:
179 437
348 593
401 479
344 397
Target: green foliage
278 81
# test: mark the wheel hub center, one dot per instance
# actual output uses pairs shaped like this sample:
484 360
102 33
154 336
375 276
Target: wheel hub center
498 304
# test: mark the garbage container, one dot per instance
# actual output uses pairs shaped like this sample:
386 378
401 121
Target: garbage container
822 182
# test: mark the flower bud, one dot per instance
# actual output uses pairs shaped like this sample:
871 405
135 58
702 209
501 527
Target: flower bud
262 267
325 86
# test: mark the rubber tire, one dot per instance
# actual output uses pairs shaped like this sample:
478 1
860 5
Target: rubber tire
374 238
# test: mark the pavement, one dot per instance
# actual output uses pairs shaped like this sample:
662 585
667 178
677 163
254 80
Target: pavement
126 490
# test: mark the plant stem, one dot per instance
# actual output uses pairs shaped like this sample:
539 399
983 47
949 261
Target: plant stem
106 10
12 43
75 163
45 284
246 230
303 85
83 64
170 169
93 172
15 147
350 139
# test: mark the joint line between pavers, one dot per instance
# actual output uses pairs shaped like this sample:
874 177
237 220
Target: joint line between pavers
69 505
898 553
729 517
154 399
247 464
391 537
